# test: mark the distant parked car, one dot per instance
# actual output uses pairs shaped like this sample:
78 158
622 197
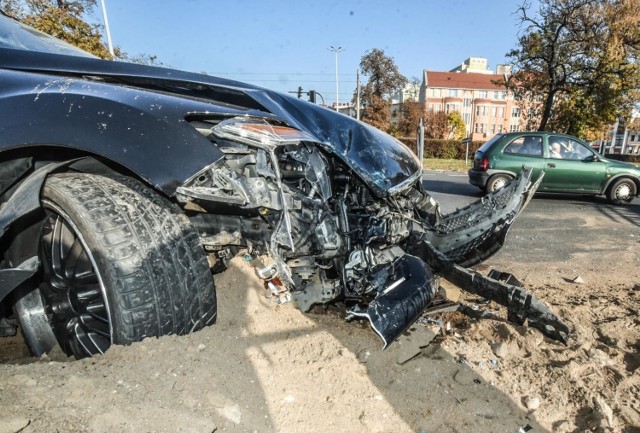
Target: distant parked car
569 164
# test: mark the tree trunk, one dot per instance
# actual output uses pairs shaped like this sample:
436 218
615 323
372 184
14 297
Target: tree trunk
546 113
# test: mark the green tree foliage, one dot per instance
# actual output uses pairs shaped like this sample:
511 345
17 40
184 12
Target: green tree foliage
442 126
576 64
456 129
64 19
384 79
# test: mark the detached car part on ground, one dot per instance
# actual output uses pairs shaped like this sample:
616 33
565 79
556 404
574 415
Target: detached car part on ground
124 186
573 168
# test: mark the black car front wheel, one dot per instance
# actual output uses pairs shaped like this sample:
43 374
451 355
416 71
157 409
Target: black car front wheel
622 191
119 263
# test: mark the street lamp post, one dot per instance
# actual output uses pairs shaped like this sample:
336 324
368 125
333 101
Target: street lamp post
106 26
337 50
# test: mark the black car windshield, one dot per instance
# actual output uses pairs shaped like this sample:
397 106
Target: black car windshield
17 36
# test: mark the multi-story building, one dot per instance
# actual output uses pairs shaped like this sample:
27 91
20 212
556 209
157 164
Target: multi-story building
474 65
633 145
347 108
410 92
487 108
627 138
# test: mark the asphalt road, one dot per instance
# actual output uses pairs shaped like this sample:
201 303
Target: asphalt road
453 190
555 226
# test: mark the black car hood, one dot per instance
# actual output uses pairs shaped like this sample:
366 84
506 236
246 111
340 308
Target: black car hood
385 164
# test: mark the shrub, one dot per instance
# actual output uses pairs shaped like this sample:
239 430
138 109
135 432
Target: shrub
442 149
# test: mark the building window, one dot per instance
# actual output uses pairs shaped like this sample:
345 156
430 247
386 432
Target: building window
453 92
493 128
500 111
437 108
482 93
466 117
494 111
515 112
482 110
513 128
499 129
500 95
436 93
467 102
450 108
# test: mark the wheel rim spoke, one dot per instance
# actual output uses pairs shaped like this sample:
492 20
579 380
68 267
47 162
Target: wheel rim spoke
56 248
73 295
87 340
75 261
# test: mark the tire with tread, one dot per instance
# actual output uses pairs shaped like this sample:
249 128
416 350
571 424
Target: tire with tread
497 181
622 191
148 258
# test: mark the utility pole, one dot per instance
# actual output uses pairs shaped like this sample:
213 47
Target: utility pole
358 94
337 50
106 27
297 92
420 142
614 133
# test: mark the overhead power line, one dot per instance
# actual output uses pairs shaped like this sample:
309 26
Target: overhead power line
281 73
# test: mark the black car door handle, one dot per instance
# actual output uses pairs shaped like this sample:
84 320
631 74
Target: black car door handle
551 164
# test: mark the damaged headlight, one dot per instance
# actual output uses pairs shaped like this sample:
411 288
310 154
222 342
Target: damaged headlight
259 132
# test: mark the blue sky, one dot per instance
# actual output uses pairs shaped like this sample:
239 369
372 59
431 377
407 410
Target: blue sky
284 44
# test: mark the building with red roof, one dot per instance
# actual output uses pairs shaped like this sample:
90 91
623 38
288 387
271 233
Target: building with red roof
486 106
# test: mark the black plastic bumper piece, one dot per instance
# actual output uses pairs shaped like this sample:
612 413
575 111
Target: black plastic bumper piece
521 305
409 291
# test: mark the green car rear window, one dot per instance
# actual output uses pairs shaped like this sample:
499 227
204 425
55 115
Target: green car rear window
526 146
485 147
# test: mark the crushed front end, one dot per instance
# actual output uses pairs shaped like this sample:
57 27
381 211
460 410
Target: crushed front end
333 231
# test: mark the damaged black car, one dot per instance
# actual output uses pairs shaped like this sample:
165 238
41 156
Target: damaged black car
124 188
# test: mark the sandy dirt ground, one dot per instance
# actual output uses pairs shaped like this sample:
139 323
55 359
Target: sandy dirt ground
271 368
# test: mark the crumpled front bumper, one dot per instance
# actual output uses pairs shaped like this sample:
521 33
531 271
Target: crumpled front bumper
460 239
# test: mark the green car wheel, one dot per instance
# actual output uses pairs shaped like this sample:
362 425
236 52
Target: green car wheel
622 191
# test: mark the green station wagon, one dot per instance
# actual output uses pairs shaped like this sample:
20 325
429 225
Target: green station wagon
569 166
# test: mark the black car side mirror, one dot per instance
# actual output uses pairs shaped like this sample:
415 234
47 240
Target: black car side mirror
592 158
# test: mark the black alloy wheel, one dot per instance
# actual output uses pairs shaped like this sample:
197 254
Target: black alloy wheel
72 289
